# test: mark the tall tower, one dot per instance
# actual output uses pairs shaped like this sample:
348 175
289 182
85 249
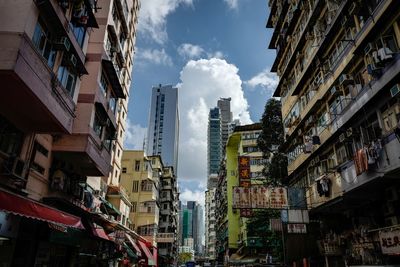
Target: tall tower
214 147
163 127
224 104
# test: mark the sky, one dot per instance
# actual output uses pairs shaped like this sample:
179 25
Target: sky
208 49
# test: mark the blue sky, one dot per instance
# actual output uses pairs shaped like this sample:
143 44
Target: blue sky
209 49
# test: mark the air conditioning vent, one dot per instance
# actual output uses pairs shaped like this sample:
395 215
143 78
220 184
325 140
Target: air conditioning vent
333 90
394 90
73 60
349 132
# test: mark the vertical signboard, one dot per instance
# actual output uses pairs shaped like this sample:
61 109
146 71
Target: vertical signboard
244 171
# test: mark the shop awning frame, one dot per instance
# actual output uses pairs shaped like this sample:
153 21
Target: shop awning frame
25 207
150 258
135 246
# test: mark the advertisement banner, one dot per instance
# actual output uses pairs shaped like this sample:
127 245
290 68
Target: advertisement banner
390 242
259 197
278 197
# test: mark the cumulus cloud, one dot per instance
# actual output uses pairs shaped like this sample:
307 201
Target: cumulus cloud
232 4
203 82
192 51
159 57
189 195
153 17
265 79
134 135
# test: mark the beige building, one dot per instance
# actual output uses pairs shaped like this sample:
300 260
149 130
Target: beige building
338 64
141 177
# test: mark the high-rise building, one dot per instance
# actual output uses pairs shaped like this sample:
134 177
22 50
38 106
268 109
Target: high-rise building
219 127
224 105
338 65
163 127
65 74
192 221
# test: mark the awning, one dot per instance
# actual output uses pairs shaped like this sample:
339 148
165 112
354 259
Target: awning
130 252
98 231
25 207
135 246
149 256
110 209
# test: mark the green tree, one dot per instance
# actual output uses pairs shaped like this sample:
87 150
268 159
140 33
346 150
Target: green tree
184 257
270 142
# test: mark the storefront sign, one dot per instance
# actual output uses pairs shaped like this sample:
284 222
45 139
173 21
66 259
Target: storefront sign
244 171
247 213
259 197
297 228
390 242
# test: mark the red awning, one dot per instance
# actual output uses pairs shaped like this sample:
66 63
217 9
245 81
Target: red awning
149 256
138 252
99 232
25 207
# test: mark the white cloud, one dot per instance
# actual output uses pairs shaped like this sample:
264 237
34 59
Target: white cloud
266 79
155 56
233 4
190 51
153 17
189 195
203 82
134 135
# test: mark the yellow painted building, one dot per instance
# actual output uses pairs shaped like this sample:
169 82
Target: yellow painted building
141 178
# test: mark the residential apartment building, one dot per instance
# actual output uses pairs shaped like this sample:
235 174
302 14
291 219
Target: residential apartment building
61 131
338 64
169 220
163 127
210 233
232 240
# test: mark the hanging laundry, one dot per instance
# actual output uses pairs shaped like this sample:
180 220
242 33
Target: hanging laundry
361 161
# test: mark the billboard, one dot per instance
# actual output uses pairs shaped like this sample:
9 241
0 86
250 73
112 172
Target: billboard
244 171
259 197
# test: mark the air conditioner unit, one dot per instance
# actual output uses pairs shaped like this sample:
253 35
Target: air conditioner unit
342 137
15 167
345 79
333 90
349 132
394 90
368 48
73 60
62 43
331 164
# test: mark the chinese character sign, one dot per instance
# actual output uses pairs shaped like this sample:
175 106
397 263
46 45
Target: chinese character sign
244 171
278 198
390 242
241 198
259 197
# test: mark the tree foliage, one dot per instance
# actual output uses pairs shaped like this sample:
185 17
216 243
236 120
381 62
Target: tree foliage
184 257
270 141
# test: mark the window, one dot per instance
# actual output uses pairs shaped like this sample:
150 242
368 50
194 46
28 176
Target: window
97 124
135 186
41 149
67 79
165 206
137 165
112 104
79 33
103 84
42 41
134 205
124 170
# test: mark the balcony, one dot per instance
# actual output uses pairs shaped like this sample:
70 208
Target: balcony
166 237
85 151
43 105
